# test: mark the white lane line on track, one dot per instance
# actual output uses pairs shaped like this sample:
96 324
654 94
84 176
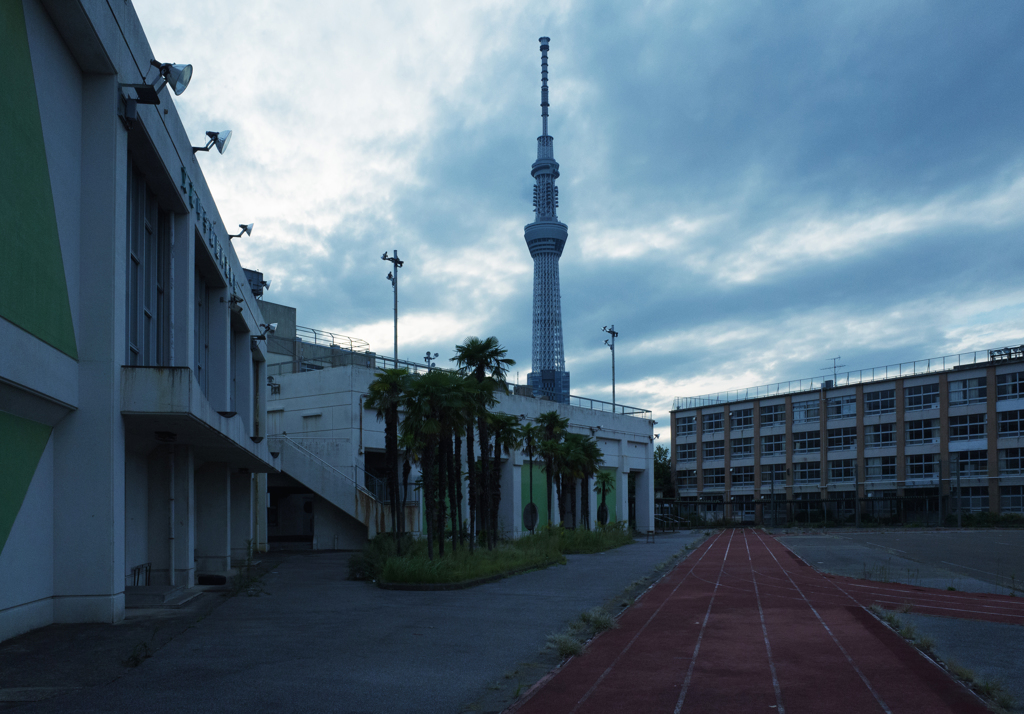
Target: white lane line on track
640 631
700 636
764 630
842 649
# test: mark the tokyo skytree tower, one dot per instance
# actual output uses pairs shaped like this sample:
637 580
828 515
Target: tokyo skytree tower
545 238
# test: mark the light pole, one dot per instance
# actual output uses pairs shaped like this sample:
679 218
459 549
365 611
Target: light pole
428 357
611 343
393 277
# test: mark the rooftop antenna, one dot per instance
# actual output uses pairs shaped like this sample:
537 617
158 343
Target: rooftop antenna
834 368
544 83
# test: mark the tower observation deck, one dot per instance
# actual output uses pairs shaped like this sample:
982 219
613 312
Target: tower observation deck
545 238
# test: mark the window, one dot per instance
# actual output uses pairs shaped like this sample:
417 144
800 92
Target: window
773 472
714 478
685 425
809 472
774 445
967 391
687 478
742 447
879 435
1011 423
713 423
714 449
974 499
840 439
806 442
923 431
804 412
883 402
742 418
969 463
1011 499
201 336
1008 386
148 299
686 452
774 414
842 407
880 468
968 426
923 466
742 475
924 396
842 471
1010 462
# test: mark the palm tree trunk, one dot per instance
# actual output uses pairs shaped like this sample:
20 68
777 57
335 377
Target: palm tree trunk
391 449
458 482
406 470
572 501
442 467
453 506
427 463
471 483
494 494
485 480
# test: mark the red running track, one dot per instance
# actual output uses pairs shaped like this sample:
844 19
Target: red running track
743 625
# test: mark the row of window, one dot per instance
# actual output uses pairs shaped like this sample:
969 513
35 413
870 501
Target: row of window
924 396
966 464
918 431
973 499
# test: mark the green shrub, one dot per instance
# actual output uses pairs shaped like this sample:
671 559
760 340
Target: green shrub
583 541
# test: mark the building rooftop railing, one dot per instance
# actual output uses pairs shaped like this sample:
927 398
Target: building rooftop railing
844 379
329 339
369 359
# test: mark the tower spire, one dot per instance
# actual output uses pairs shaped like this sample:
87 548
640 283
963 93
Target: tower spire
544 83
545 238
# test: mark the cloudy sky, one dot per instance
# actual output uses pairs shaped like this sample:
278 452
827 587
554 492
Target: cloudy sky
751 188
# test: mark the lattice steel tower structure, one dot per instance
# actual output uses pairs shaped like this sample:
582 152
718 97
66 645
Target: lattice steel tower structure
545 238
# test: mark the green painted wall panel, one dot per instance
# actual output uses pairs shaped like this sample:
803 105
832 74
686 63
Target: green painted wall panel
21 446
540 486
33 289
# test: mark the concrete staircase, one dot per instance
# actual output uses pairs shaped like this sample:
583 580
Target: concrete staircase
330 483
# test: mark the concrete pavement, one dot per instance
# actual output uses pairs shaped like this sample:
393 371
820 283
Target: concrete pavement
314 641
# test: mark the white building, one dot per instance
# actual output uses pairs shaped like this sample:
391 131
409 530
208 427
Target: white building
331 446
132 369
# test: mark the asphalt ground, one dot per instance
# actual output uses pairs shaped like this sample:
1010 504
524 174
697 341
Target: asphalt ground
312 640
743 625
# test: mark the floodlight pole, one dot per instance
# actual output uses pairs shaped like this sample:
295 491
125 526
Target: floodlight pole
611 343
393 277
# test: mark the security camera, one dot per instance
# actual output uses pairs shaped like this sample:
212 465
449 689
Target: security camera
272 328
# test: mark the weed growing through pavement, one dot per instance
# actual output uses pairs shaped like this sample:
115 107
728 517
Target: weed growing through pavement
139 655
566 645
248 577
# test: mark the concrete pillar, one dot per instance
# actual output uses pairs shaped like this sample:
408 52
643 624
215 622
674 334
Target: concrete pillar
242 516
183 544
89 458
261 513
213 518
645 492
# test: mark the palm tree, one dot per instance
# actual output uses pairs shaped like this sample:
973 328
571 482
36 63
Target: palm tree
506 438
386 394
530 434
478 398
590 459
486 361
604 482
552 429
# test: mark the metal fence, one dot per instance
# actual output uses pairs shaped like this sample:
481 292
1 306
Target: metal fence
830 512
844 379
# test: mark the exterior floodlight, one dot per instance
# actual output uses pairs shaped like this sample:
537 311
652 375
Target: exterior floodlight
176 75
219 139
246 229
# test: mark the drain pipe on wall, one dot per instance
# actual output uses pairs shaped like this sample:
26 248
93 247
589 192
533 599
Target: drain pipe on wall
170 510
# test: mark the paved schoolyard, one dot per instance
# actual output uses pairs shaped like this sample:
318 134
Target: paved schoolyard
975 560
745 625
318 642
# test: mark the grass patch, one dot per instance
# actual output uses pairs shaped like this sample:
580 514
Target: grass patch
379 560
565 645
